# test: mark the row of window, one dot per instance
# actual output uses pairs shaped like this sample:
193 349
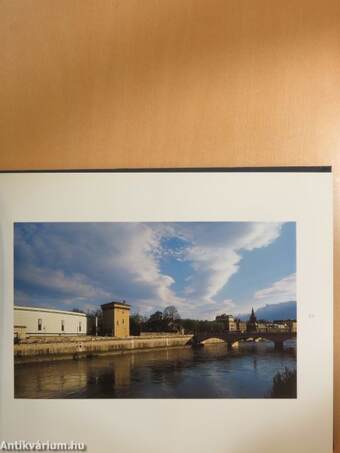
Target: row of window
40 325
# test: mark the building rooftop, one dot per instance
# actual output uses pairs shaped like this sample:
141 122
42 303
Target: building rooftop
113 304
225 317
48 310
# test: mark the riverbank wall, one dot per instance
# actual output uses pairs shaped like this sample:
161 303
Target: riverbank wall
85 347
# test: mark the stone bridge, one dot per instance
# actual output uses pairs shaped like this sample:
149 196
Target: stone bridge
277 337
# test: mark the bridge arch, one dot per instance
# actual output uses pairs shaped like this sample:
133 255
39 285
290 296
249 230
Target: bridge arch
199 339
212 340
278 338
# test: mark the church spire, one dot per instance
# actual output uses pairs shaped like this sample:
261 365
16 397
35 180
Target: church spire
252 323
252 316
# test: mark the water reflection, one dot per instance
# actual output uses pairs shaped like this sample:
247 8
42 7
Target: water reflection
209 372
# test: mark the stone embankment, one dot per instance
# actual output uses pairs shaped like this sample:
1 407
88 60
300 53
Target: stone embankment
54 348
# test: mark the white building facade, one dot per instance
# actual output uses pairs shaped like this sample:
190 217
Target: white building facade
31 321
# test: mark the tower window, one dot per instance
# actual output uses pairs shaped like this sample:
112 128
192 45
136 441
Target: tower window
62 325
39 324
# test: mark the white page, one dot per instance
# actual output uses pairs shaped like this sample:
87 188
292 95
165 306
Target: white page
215 425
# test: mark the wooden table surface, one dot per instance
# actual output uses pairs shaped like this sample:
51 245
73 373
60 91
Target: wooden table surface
177 83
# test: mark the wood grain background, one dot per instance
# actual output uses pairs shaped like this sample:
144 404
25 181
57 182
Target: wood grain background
112 83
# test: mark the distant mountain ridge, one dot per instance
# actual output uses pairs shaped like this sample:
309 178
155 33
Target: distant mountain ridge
271 312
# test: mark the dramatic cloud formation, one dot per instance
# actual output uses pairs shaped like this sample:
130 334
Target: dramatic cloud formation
215 255
151 265
280 291
93 263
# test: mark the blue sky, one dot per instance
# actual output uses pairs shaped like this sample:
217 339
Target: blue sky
203 268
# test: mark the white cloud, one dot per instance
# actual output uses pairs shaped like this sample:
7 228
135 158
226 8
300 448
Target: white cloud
281 291
216 257
57 280
92 263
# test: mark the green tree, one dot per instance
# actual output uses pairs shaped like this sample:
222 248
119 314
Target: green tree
155 323
284 384
136 324
78 310
171 313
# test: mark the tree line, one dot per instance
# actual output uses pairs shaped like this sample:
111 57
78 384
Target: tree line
168 320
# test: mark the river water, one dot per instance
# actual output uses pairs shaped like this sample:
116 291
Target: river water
208 372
